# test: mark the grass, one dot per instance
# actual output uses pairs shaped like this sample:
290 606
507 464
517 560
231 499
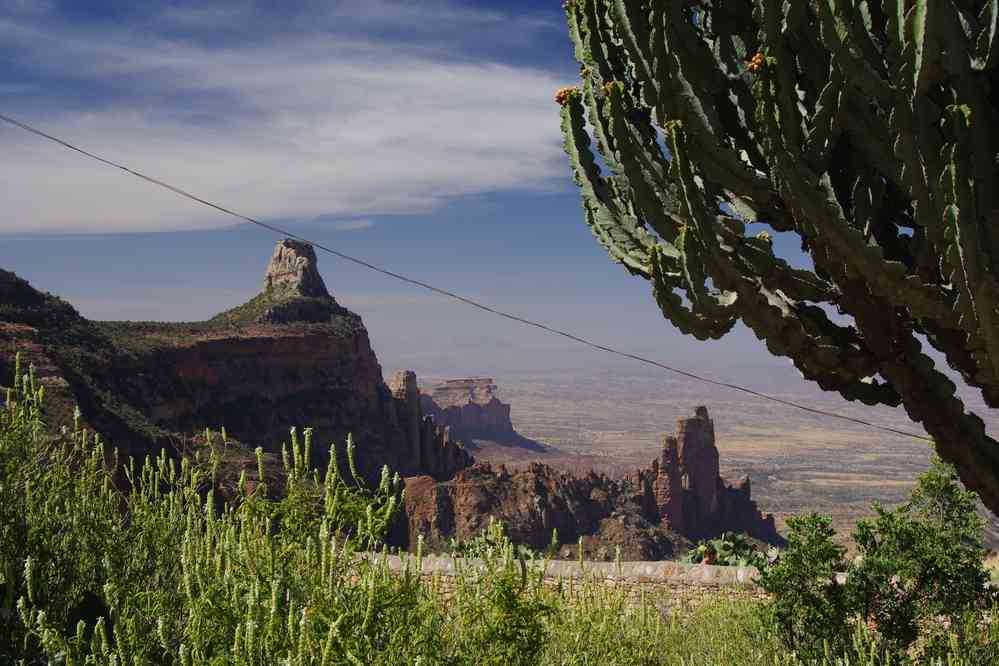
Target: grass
154 566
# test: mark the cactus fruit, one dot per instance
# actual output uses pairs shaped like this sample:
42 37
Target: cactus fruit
868 129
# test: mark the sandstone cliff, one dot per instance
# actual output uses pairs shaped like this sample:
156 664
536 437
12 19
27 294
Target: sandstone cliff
684 490
531 503
470 407
291 356
475 415
650 515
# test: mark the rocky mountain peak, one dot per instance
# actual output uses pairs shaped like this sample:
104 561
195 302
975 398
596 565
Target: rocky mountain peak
293 270
294 292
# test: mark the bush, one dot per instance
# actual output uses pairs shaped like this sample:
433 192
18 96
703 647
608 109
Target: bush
918 565
729 550
505 625
493 542
921 562
163 571
809 606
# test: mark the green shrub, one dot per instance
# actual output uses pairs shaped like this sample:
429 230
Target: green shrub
920 567
809 606
506 624
731 549
159 569
494 542
94 573
921 561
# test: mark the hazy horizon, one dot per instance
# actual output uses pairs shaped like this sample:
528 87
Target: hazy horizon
421 137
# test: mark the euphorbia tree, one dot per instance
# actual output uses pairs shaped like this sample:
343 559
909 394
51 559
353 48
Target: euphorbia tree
868 129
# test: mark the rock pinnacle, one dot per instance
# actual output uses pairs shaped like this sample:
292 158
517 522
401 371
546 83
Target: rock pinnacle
292 271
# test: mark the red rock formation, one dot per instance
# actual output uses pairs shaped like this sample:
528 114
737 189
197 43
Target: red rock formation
404 390
470 407
680 496
531 503
689 493
294 268
698 462
667 488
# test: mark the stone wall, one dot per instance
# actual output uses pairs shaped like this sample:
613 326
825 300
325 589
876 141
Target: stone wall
666 583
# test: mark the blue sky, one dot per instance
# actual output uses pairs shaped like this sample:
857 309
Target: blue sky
420 136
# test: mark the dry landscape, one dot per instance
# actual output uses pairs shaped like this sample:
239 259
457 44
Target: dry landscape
613 421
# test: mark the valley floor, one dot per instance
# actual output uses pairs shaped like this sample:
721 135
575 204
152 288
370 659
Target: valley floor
798 462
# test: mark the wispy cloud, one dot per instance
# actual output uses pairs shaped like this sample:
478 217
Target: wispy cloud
302 124
354 225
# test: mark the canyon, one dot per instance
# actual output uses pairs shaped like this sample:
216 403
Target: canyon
292 356
654 513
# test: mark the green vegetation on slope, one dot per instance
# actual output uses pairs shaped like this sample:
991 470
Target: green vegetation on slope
82 352
278 306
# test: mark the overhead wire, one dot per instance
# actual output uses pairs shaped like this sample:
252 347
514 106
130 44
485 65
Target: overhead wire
449 294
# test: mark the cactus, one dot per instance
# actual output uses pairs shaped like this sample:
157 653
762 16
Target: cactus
864 128
731 550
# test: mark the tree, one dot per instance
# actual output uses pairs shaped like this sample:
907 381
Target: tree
865 129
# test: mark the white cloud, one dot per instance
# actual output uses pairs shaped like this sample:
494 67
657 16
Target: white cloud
293 127
354 225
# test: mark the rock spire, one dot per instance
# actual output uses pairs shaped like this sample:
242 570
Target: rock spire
293 270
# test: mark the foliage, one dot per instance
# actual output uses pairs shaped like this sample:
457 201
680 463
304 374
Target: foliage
494 542
93 572
277 305
918 565
863 132
809 605
506 625
153 565
731 549
921 561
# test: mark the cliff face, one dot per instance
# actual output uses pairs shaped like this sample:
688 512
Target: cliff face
649 515
471 408
476 416
431 447
291 356
531 503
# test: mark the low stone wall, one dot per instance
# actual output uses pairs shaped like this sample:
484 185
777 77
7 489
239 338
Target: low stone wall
665 583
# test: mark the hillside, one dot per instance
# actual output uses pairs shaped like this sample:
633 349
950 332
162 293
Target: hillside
291 356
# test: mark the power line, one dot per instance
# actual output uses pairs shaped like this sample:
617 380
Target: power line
506 315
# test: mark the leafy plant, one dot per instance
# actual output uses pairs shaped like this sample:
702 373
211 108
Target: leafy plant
921 561
810 607
507 623
92 572
731 549
918 564
494 542
103 564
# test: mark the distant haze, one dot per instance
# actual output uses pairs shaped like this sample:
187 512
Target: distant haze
419 136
